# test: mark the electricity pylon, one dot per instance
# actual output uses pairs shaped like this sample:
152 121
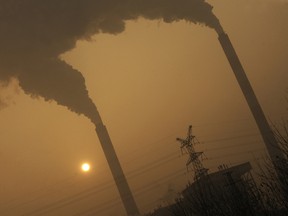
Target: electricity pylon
187 146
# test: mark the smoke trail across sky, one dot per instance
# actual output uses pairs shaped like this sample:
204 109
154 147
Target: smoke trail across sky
34 33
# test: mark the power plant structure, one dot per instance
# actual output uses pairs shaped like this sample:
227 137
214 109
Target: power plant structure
267 135
261 121
187 145
116 169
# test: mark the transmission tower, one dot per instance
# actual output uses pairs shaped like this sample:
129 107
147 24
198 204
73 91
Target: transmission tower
187 146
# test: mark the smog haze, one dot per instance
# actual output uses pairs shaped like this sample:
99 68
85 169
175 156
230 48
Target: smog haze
152 69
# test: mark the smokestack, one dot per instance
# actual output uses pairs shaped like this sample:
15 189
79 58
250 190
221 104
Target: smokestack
115 167
261 121
117 172
32 38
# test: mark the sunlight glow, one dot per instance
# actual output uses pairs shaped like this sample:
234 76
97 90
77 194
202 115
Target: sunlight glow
85 167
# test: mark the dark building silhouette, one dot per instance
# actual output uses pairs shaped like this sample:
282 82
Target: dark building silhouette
229 189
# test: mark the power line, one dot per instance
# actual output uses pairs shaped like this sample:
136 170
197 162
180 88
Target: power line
134 173
138 191
89 192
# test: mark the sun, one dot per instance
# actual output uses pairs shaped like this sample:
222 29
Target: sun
85 167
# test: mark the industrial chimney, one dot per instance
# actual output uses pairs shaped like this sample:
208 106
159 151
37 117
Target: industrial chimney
117 172
115 167
261 121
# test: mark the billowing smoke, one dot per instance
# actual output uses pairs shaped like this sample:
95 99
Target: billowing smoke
33 33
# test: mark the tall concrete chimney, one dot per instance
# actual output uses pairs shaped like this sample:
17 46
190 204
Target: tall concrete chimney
117 172
261 121
115 167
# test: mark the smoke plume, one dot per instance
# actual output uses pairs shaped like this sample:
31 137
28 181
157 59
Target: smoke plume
33 33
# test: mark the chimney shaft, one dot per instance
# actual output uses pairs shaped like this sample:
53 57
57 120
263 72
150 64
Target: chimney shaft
261 121
117 172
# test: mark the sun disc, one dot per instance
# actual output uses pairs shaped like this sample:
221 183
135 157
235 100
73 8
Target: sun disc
85 167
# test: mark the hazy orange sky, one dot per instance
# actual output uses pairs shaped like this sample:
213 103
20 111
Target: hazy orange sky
149 84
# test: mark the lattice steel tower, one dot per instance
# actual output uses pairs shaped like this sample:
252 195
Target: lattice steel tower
187 146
